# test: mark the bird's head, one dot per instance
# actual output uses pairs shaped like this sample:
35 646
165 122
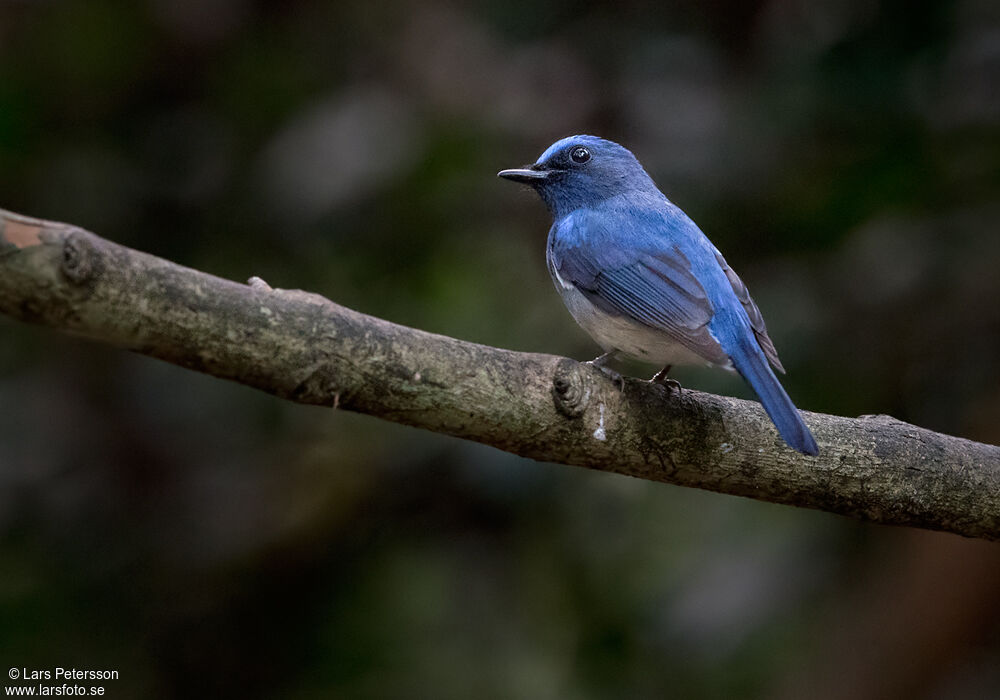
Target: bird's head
580 171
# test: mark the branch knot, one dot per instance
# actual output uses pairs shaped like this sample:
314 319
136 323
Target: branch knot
79 259
570 389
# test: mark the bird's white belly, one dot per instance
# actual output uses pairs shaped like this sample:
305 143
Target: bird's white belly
629 337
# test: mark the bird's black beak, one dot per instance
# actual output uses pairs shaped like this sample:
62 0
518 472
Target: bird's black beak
531 175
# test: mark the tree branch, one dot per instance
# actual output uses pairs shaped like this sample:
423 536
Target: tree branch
304 348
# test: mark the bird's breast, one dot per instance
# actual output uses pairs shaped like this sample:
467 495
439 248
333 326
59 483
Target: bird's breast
616 332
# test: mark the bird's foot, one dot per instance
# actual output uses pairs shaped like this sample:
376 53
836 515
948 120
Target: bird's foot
601 364
662 379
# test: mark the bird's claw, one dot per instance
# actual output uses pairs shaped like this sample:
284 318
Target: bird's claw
670 384
662 379
614 376
599 363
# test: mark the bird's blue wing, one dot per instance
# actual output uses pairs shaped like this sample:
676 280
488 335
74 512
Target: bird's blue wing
650 280
753 313
644 274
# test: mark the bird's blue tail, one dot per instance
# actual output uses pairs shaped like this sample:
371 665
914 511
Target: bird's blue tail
750 362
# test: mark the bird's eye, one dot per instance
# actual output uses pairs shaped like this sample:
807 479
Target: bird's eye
579 155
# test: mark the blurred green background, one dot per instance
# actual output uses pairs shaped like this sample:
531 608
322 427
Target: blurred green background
209 541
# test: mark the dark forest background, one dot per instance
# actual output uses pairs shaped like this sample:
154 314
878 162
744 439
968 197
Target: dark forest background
209 541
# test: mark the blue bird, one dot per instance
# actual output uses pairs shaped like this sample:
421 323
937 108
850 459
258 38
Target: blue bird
642 279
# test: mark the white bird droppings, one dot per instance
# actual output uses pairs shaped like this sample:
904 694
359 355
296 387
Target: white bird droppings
599 433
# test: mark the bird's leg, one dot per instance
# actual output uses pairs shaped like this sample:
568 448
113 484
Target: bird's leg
601 364
662 378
